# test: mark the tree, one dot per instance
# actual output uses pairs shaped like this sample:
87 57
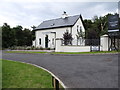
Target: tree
101 24
27 34
8 37
33 32
92 34
33 27
67 38
19 37
87 24
0 37
80 35
33 35
98 24
16 36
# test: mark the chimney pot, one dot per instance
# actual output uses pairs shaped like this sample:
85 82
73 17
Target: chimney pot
64 15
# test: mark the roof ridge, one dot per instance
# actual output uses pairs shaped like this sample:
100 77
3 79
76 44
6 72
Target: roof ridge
58 22
59 18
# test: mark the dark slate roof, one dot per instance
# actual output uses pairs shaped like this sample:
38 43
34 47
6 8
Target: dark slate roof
60 22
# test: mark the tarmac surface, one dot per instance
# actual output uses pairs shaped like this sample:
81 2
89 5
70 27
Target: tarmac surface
76 71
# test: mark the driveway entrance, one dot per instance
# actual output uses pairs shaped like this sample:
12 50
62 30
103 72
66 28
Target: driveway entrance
76 71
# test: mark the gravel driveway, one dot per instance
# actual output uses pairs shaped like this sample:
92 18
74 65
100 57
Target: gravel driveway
76 71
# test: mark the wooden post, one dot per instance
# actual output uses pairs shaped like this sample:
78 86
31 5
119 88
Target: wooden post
52 81
55 83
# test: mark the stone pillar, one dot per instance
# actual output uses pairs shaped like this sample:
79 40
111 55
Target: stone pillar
104 43
58 45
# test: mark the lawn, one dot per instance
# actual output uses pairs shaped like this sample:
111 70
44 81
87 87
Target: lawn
63 52
84 52
23 52
21 75
0 74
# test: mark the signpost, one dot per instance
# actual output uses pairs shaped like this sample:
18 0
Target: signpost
113 23
113 31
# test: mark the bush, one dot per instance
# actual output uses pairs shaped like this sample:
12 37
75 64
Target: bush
67 38
28 48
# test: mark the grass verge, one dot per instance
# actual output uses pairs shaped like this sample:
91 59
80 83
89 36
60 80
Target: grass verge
0 74
20 75
23 52
63 52
84 52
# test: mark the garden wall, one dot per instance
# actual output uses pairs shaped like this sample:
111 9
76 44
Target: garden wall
74 48
61 48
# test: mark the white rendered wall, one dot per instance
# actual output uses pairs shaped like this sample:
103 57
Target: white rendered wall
60 48
74 29
59 34
42 33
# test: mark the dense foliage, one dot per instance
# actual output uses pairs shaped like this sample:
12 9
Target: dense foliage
16 36
96 27
67 38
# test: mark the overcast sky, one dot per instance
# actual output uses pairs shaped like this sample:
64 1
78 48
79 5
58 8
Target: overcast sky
32 12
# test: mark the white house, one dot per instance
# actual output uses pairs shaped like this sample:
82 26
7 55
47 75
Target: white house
48 31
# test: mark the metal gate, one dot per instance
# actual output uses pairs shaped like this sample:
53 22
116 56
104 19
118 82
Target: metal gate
93 43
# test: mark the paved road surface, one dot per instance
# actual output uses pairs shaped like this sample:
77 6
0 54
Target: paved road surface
77 71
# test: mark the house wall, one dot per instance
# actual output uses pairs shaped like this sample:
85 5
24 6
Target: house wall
42 33
74 30
59 34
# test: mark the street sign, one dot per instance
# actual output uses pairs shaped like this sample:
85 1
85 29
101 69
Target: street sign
113 23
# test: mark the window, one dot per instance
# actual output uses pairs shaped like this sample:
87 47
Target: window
40 41
80 28
53 41
77 27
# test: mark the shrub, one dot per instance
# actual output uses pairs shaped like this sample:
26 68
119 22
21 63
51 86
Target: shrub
67 37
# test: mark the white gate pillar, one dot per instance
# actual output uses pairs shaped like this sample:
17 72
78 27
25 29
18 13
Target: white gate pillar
104 43
58 45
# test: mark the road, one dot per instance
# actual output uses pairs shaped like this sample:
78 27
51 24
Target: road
76 71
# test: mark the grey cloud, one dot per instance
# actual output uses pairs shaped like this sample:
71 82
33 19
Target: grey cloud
28 14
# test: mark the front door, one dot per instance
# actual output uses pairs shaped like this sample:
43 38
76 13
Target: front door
46 41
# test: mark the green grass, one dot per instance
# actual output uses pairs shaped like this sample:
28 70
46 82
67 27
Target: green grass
84 52
23 52
62 52
0 74
20 75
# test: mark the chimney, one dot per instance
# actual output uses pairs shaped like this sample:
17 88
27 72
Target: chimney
64 15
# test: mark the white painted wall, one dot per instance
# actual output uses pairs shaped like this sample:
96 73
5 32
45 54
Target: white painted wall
59 34
103 46
42 33
60 48
74 30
